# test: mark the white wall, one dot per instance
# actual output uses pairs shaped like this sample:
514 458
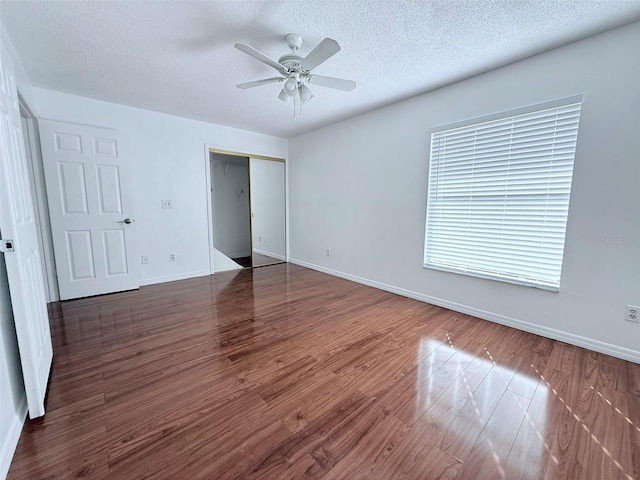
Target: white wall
170 163
230 198
268 207
359 188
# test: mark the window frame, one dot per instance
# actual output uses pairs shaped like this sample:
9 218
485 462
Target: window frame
484 119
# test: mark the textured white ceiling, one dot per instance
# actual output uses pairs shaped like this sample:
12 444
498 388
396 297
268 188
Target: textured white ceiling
178 57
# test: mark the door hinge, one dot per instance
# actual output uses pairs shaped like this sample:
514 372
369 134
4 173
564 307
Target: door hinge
6 246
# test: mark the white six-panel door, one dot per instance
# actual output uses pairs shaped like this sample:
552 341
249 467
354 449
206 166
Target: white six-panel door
24 270
92 223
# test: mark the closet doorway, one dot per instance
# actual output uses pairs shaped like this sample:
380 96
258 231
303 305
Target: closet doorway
248 210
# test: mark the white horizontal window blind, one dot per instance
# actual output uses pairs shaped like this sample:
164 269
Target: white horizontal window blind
499 196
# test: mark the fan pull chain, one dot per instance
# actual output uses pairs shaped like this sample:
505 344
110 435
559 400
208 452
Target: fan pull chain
295 112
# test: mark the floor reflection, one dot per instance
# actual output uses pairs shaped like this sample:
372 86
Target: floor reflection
503 422
234 293
594 438
482 410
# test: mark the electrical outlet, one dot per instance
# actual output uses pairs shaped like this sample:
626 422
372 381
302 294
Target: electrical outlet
259 238
167 204
632 314
144 260
328 252
172 257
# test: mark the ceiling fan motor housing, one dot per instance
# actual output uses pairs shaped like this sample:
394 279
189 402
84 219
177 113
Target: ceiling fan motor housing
291 61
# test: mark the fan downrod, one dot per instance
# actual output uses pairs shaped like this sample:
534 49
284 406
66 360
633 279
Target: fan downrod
292 60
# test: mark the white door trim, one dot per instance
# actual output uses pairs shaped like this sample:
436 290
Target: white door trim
41 207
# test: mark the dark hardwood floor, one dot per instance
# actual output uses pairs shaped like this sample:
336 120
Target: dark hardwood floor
244 262
285 373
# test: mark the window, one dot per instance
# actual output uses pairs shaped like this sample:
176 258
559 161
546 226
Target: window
499 196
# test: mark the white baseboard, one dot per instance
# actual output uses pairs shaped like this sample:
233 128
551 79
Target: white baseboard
552 333
11 440
269 254
173 278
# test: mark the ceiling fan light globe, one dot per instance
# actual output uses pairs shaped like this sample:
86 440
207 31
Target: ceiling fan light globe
284 96
291 86
305 93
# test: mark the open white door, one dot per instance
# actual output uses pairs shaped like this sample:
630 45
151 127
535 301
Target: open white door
86 176
20 247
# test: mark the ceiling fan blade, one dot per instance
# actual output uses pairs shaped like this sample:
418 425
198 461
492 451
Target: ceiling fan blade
324 50
259 56
332 82
257 83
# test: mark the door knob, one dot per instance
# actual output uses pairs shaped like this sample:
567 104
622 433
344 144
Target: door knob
128 220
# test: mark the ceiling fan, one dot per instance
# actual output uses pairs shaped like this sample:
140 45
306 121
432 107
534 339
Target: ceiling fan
295 71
